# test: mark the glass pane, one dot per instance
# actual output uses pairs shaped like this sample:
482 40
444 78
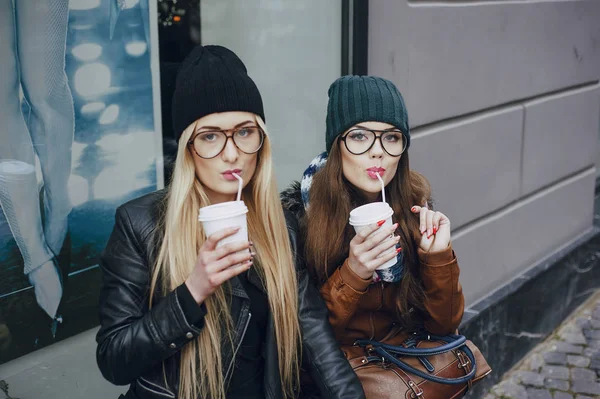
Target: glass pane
292 50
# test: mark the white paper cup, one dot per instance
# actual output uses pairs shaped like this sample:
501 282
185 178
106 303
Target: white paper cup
372 213
221 216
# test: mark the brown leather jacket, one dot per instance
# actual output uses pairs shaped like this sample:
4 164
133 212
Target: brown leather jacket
359 309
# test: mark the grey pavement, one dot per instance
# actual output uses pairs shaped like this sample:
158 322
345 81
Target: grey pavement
565 366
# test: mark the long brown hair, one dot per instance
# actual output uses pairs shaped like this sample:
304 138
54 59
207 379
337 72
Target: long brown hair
328 234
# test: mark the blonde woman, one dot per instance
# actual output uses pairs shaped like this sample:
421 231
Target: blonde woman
183 318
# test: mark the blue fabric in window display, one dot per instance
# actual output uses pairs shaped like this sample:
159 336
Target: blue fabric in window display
33 52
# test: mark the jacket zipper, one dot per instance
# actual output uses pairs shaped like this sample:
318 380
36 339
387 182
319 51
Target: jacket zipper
238 345
372 326
372 313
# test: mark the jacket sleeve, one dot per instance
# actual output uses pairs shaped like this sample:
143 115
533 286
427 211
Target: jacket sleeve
322 356
133 338
342 292
444 300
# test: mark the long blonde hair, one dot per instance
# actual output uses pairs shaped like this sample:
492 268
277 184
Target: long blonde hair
201 361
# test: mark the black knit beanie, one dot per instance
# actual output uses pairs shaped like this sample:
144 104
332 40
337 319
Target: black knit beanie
212 79
355 99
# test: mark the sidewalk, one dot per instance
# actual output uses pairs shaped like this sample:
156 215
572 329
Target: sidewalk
65 370
565 366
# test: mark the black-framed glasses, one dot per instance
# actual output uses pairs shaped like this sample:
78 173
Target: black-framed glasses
360 140
210 143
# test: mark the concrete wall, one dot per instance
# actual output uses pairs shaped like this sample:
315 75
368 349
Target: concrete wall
504 103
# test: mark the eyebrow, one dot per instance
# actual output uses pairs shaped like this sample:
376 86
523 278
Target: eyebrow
384 130
218 128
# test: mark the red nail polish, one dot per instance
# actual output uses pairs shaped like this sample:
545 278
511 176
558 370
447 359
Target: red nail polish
434 230
380 223
414 209
398 250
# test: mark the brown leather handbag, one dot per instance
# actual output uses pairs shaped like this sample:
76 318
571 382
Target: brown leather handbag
423 367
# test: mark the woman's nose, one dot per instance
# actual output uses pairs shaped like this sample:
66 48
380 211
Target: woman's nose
230 152
376 150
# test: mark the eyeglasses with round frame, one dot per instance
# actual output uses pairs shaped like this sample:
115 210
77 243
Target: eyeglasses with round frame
247 139
362 140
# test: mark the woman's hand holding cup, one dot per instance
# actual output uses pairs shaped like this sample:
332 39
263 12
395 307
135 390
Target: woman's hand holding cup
215 265
367 246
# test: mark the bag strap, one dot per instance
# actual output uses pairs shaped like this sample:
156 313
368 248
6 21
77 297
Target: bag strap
441 380
453 342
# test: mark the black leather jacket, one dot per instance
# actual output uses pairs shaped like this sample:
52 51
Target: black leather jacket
134 342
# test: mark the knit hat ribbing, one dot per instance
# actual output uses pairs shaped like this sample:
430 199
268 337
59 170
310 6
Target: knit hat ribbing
212 79
355 99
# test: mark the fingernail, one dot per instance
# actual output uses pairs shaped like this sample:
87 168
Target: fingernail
398 250
380 223
429 235
414 209
251 243
252 253
434 230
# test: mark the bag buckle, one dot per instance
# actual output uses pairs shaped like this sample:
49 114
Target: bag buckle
416 389
464 360
386 365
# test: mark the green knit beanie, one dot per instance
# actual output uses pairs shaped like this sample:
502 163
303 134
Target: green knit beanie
355 99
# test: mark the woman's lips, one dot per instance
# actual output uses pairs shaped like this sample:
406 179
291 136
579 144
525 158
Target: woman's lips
373 172
228 174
